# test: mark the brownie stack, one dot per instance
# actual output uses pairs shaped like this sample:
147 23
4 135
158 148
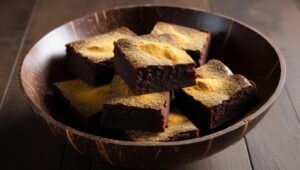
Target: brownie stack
147 69
131 82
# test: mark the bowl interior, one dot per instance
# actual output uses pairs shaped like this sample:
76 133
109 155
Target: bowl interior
242 49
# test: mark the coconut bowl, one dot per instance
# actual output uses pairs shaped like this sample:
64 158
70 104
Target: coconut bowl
242 48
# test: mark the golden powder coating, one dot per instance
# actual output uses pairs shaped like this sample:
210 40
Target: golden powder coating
213 69
152 50
162 51
86 99
186 38
100 47
177 124
120 93
215 84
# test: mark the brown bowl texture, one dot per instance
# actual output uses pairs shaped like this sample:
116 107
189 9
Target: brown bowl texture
245 50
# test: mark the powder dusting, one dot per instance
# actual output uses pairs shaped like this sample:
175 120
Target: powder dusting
215 83
86 99
152 50
187 38
100 48
120 93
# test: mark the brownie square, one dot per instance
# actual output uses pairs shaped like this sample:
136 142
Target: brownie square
179 128
152 63
125 110
194 42
91 59
218 97
83 102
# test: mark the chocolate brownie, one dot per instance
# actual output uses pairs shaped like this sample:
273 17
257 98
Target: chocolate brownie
152 63
83 101
125 110
218 97
91 59
179 128
195 42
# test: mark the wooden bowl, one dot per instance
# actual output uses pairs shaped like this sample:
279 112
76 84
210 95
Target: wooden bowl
242 48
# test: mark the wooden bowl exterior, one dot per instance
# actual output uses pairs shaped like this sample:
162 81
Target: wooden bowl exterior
242 48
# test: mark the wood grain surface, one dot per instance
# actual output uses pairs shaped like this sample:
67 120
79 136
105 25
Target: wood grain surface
273 144
12 30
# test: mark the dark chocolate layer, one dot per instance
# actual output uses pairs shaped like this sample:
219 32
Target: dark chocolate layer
125 117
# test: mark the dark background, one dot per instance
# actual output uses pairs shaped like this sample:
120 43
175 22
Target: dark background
25 143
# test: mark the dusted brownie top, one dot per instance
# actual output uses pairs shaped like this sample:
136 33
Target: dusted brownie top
177 125
213 69
152 50
86 99
120 93
186 38
100 47
216 83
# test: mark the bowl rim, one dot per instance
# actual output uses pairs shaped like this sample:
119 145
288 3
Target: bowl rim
264 107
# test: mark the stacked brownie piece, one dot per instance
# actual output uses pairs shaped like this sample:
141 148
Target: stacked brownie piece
131 82
147 68
151 63
91 59
218 97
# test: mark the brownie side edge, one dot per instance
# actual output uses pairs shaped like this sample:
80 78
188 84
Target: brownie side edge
165 78
124 117
232 108
89 72
124 68
196 112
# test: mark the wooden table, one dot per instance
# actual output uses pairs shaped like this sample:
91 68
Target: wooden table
25 143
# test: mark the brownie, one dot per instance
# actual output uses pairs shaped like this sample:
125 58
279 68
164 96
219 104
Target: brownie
83 102
152 63
91 59
179 128
195 42
218 97
125 110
